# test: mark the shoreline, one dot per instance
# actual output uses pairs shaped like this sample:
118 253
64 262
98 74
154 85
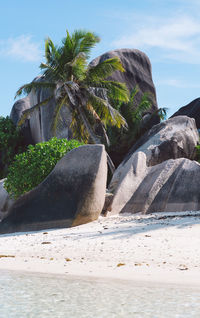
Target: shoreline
160 248
106 279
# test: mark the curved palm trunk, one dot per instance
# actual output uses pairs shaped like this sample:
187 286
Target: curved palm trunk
94 138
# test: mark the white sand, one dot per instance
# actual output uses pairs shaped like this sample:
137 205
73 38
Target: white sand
159 248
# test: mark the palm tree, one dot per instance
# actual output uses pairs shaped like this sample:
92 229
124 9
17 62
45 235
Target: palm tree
80 87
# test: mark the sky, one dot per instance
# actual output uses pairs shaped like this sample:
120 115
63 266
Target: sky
168 31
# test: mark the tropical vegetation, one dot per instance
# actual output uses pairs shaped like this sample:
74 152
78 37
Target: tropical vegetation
11 142
137 124
31 167
81 87
198 153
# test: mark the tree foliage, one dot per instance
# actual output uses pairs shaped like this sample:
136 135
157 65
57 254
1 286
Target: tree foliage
30 168
134 114
11 142
81 87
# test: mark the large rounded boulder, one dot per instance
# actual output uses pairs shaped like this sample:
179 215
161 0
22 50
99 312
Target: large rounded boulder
138 72
171 139
38 125
147 168
191 110
72 194
171 186
5 201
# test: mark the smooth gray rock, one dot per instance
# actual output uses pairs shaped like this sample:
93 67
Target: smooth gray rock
171 186
137 72
125 181
174 138
191 110
38 126
72 194
5 201
18 108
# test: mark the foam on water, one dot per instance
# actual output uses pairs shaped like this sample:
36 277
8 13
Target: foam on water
31 295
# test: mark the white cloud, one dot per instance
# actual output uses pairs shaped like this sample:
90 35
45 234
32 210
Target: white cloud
177 38
177 83
22 48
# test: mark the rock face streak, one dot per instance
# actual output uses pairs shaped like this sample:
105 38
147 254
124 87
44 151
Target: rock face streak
72 194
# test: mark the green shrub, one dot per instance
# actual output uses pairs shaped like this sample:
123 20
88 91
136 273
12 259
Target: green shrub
198 153
30 168
11 142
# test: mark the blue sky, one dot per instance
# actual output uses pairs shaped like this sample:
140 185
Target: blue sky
167 31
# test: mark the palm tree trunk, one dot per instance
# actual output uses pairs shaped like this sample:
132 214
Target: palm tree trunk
110 164
94 138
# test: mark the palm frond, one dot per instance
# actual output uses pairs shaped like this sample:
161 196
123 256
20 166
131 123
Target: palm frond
57 113
144 105
50 50
76 68
29 111
26 89
98 121
108 114
115 90
162 113
53 73
133 94
78 127
84 41
103 70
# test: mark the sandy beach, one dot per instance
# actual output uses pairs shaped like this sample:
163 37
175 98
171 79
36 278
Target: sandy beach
160 247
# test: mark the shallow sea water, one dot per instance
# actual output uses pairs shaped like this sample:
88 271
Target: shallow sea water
33 295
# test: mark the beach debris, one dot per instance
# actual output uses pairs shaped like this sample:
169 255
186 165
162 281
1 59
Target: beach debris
138 264
1 256
46 243
51 259
183 267
68 259
120 264
45 232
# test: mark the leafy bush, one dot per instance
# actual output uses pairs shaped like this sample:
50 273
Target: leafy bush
198 153
11 142
30 168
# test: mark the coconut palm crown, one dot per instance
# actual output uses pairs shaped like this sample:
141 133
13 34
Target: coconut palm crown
81 87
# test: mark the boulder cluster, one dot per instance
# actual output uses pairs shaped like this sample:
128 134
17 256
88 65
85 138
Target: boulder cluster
158 174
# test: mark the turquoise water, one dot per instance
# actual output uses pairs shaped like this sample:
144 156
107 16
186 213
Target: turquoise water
31 296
